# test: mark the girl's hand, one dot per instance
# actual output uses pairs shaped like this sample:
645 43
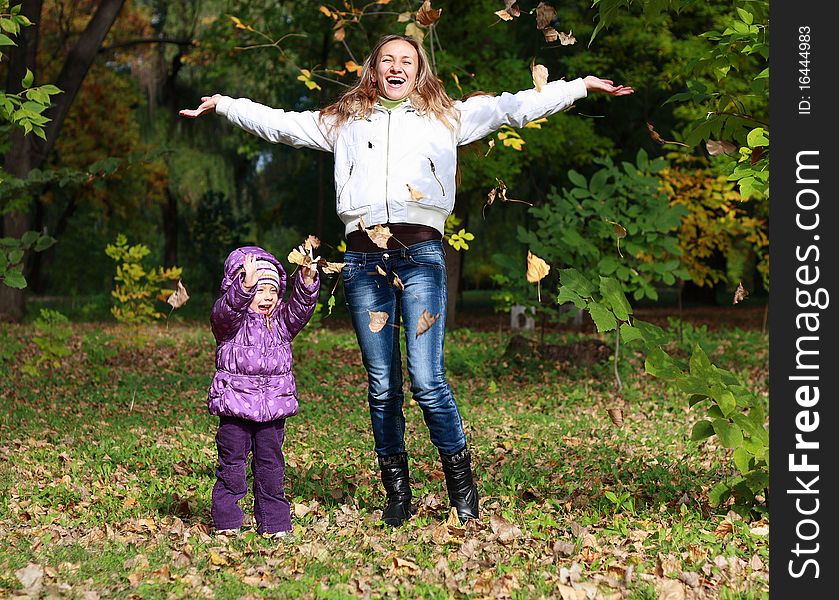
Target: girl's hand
308 272
208 105
251 275
595 84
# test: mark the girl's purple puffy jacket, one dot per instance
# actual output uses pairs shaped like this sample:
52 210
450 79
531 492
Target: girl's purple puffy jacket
253 377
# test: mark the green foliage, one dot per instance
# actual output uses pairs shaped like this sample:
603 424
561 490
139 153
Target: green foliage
457 238
53 333
136 288
732 412
12 251
98 348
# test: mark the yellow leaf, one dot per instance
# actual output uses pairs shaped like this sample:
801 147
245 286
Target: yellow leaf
352 67
325 11
504 15
537 268
426 321
540 75
415 194
413 30
217 559
537 124
404 17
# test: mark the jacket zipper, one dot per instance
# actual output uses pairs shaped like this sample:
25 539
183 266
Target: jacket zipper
343 187
434 172
387 166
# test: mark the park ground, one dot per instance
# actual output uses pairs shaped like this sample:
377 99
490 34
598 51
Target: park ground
107 461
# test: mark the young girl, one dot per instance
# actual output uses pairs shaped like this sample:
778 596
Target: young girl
395 136
253 390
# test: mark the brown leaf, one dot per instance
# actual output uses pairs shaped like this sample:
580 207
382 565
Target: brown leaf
311 243
658 139
404 17
616 414
296 257
503 529
504 15
340 34
724 528
381 271
566 39
30 577
512 7
427 15
379 235
397 283
537 268
178 297
378 319
551 34
330 268
757 153
540 75
545 13
740 294
426 321
402 566
415 194
715 147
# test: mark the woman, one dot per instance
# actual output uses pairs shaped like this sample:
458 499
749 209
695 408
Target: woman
395 136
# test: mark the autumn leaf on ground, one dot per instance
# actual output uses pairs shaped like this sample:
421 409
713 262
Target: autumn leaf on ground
427 15
660 140
426 321
415 194
378 319
724 528
716 147
178 297
545 13
740 294
540 75
616 415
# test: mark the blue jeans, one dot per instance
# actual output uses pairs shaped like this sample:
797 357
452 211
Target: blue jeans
422 270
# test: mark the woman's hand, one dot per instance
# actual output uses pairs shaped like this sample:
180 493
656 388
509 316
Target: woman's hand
595 84
251 276
208 105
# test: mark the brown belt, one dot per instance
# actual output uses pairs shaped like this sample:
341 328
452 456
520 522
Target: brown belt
403 234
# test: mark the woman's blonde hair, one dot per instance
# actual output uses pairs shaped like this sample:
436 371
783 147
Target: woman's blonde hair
428 95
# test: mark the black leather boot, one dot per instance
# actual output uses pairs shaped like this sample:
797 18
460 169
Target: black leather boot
463 493
397 487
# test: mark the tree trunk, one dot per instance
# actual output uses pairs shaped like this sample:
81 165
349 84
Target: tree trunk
29 152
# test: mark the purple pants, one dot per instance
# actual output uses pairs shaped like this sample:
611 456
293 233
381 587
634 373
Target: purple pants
235 439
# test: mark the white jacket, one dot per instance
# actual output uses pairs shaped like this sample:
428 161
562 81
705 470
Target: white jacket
378 158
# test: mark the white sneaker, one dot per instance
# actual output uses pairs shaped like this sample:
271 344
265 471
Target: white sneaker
227 532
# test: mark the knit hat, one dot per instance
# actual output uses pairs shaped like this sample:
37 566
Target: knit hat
267 272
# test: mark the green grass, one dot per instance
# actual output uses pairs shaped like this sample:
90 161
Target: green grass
107 462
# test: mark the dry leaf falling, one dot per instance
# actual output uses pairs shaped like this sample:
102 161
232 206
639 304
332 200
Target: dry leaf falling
381 271
296 257
378 319
551 34
426 321
512 8
740 294
504 15
537 268
415 194
178 297
540 75
379 235
427 15
715 147
397 283
330 268
311 243
545 13
566 39
657 136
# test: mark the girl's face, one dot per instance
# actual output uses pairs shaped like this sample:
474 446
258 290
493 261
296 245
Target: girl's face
265 300
396 69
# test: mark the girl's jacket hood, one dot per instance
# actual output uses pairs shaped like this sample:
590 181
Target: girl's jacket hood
235 260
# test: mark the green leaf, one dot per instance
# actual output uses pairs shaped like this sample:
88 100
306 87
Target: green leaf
724 399
568 295
6 40
27 79
44 242
718 494
701 430
742 460
630 333
576 282
603 318
700 365
14 279
613 295
730 435
757 137
659 364
577 179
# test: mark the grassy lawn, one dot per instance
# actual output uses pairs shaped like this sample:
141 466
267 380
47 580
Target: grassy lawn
107 460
